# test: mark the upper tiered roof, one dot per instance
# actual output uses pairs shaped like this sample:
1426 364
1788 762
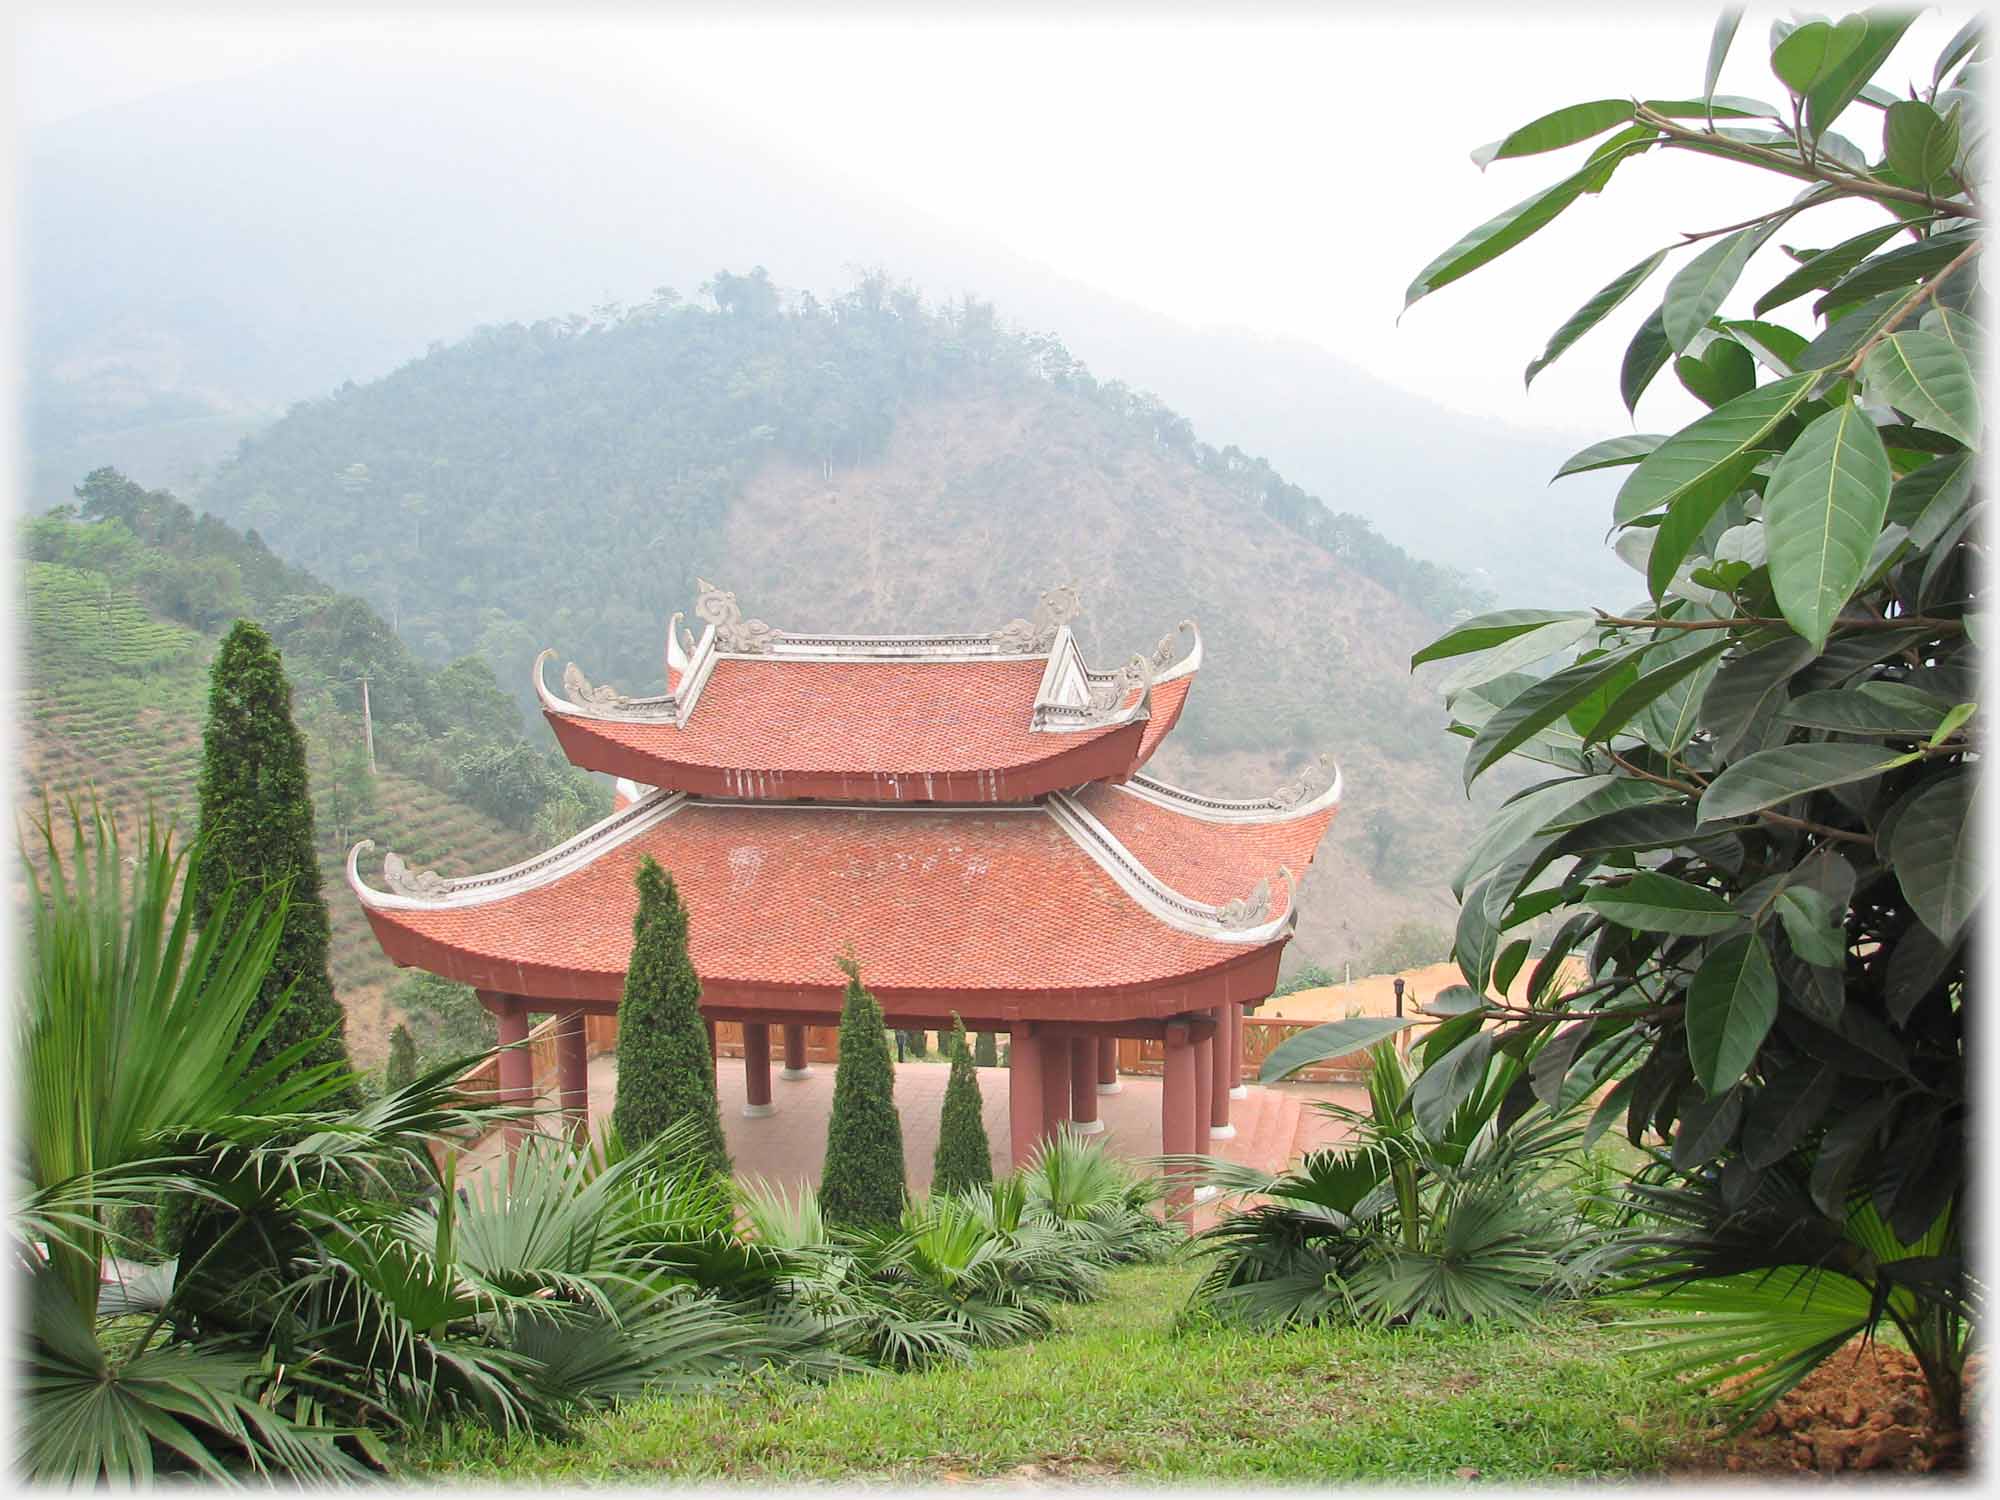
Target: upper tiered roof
1003 716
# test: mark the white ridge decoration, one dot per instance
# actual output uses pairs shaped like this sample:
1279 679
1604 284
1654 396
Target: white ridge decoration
424 884
733 633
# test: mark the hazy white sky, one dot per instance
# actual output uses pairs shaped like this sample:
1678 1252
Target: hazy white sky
1286 171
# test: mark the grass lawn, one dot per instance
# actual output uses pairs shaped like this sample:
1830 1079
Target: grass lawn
1117 1393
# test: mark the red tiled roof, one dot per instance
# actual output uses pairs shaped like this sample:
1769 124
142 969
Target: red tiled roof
1169 698
884 730
955 900
1203 859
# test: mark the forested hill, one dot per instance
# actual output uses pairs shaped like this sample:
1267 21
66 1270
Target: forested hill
870 464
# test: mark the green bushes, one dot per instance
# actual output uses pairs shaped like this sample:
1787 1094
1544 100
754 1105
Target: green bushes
1419 1219
861 1183
961 1271
964 1155
985 1052
665 1072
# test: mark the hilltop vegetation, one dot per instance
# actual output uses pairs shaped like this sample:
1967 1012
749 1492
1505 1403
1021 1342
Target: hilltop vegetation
873 464
121 624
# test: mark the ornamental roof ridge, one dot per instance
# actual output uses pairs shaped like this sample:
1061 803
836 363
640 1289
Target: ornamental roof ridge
1247 920
1314 789
428 890
736 636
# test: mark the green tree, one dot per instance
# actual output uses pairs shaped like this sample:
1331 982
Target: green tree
964 1155
665 1072
1763 778
257 835
861 1184
986 1052
402 1066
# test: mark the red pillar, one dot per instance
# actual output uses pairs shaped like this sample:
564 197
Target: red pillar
756 1070
1024 1094
1177 1111
1219 1128
1055 1085
573 1069
1238 1019
796 1065
1083 1085
1204 1088
517 1069
1107 1066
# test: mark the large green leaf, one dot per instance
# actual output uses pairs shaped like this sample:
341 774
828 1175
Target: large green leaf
1652 902
1448 1082
1336 1039
1718 47
1843 79
1813 51
1697 289
1823 509
1827 267
1731 1003
1921 143
1967 38
1524 650
1815 929
1747 688
1928 377
1541 705
1898 270
1484 632
1937 849
1610 454
1576 123
1837 342
1930 499
1645 357
1687 458
1689 516
1791 1103
1593 312
1514 823
1654 684
1869 708
1769 777
1558 128
1670 720
1504 231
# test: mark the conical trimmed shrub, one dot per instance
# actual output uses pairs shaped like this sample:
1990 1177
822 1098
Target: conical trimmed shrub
257 834
861 1183
665 1071
964 1155
402 1058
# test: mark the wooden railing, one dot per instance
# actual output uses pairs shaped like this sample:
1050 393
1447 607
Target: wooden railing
1144 1055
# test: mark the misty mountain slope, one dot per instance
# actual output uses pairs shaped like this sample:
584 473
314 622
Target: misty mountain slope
873 465
976 503
327 218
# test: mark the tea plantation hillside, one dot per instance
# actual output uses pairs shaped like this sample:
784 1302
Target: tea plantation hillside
112 701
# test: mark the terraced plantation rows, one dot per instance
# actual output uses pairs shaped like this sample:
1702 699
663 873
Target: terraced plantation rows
110 711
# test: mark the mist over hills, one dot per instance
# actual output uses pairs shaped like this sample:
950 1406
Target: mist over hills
329 218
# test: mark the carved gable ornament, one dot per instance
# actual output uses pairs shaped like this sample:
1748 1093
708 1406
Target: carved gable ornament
1057 608
733 633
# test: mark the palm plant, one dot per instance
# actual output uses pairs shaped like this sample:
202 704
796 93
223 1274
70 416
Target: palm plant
140 1081
1464 1221
1760 1287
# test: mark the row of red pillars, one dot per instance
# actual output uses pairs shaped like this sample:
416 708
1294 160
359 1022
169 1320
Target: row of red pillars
1055 1076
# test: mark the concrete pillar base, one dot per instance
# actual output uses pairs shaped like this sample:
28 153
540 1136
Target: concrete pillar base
1239 1092
795 1074
1087 1127
1222 1132
1111 1088
758 1111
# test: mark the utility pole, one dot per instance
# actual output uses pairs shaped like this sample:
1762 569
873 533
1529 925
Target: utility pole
368 725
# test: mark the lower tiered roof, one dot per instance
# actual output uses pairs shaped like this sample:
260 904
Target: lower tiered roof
1112 903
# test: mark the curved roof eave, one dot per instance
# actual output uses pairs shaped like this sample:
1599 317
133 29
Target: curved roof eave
1314 790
